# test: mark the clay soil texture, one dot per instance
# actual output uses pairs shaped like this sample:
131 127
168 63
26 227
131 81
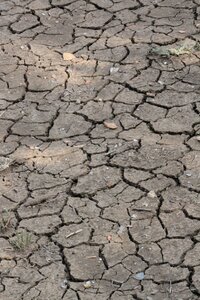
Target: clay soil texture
99 149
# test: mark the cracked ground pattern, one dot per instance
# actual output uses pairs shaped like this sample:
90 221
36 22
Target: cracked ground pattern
99 150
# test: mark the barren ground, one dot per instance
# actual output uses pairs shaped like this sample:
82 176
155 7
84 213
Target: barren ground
99 149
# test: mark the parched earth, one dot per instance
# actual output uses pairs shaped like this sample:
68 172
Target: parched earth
99 149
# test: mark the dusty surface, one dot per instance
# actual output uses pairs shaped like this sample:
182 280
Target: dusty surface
99 150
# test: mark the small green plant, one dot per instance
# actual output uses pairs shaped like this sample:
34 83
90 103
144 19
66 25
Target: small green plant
21 241
5 220
180 50
159 51
187 47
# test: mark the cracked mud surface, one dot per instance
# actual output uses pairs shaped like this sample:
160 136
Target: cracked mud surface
99 150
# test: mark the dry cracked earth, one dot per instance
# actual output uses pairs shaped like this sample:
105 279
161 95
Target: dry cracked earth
99 150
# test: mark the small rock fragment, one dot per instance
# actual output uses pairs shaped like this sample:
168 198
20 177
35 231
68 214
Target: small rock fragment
152 194
110 125
188 174
113 70
151 94
121 229
64 284
68 56
109 238
139 276
87 284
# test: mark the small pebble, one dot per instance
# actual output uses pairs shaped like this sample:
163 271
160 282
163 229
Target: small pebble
121 229
188 174
152 194
139 276
87 284
134 216
113 70
64 284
